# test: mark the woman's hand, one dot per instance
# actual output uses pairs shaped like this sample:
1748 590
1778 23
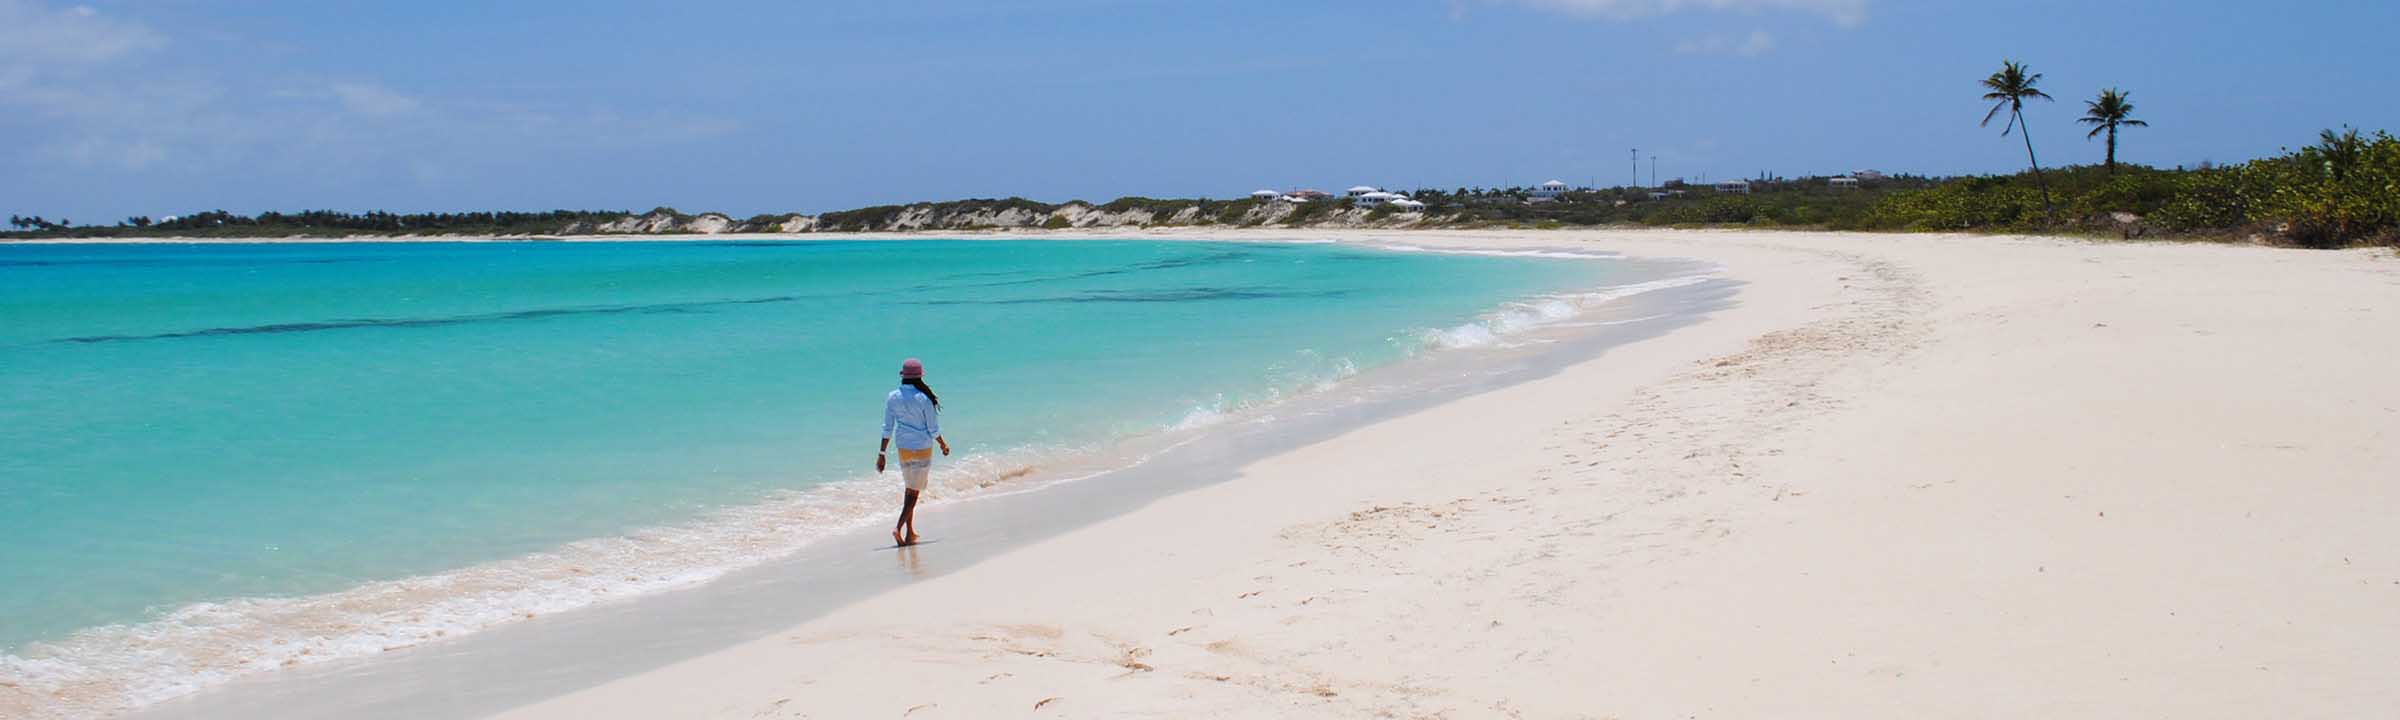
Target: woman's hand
945 446
879 462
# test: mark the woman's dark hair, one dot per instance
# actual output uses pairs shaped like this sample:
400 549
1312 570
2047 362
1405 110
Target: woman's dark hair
919 384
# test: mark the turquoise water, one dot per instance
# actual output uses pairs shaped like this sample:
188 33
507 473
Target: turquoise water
205 423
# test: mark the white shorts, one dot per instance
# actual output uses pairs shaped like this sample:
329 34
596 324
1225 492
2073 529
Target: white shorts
916 467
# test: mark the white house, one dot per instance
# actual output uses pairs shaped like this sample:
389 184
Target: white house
1265 195
1741 187
1363 190
1380 198
1868 174
1549 191
1843 183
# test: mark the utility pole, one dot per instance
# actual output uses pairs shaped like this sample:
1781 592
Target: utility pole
1653 171
1637 167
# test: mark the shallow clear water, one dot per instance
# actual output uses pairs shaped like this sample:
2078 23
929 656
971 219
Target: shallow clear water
197 423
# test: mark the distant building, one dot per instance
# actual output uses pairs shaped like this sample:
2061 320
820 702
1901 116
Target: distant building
1843 183
1740 187
1868 175
1549 191
1380 198
1305 195
1265 195
1675 183
1363 190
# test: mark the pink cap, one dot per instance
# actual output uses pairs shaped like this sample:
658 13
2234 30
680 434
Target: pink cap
912 368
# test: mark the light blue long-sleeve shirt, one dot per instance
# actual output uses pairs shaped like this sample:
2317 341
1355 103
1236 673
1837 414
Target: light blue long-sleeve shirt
910 420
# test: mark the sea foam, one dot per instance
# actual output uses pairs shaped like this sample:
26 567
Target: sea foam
1518 317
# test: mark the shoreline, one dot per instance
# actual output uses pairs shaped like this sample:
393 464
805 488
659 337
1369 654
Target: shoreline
1113 464
1611 518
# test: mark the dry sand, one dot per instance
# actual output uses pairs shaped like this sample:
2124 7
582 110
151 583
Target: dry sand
1907 476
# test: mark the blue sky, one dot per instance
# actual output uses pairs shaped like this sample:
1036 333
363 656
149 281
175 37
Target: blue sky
164 106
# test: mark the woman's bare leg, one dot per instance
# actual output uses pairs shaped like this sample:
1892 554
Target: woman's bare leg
908 520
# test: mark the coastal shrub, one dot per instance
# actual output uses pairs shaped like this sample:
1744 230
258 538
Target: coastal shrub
1729 209
2342 191
2134 189
862 219
1973 203
2221 198
1161 211
1235 211
1306 212
1057 222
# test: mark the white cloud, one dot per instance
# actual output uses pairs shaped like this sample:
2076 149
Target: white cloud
40 40
366 98
1843 12
1757 43
122 153
81 87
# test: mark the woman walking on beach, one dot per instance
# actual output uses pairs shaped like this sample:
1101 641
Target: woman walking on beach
912 420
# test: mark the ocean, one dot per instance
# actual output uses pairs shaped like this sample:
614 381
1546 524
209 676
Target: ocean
227 458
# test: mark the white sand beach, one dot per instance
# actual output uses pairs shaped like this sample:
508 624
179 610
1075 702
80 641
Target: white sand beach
1904 476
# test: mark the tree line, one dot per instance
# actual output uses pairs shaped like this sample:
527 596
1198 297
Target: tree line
219 223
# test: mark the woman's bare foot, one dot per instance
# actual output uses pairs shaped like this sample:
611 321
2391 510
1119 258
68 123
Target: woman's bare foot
896 541
912 538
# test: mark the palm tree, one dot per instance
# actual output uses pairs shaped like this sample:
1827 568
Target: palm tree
2011 87
2336 153
2107 114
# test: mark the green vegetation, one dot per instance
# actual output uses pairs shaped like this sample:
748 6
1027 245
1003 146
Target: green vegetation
2344 190
883 217
218 223
1315 210
1165 211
